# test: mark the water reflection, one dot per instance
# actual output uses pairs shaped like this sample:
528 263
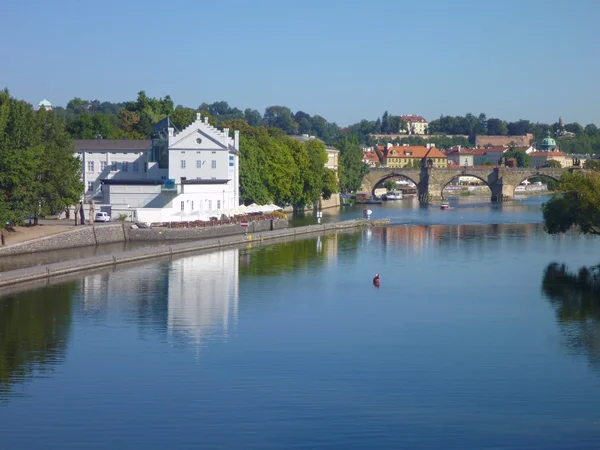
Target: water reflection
418 238
203 296
35 328
576 299
298 255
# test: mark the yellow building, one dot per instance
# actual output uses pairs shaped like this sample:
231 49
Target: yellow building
413 155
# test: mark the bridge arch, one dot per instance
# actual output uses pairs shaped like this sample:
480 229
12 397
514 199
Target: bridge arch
465 174
392 175
536 173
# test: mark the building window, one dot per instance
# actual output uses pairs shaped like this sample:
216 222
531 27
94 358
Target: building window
90 166
182 164
145 167
231 161
113 166
192 204
210 205
136 166
125 166
218 204
198 164
90 185
182 205
213 164
198 141
102 166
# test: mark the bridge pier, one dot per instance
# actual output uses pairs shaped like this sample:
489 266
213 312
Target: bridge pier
502 192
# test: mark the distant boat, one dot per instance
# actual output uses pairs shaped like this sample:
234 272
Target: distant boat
392 195
445 205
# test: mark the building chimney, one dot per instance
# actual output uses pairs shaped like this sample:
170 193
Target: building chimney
428 146
389 145
458 146
236 139
206 119
171 130
198 116
226 135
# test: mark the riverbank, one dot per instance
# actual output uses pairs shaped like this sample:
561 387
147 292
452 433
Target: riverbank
94 235
71 267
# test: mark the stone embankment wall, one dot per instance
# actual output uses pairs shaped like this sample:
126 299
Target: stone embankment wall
78 237
107 234
65 268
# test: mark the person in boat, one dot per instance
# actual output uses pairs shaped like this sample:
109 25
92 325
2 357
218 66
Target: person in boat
376 280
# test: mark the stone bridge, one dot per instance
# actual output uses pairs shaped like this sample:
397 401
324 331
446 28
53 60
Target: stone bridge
430 182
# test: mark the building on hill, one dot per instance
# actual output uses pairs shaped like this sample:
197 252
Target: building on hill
413 156
541 159
370 157
490 155
548 144
188 173
459 156
45 104
497 141
415 124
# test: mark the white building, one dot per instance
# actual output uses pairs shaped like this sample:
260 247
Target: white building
45 104
415 124
460 157
189 173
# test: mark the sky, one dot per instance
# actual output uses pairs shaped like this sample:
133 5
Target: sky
344 60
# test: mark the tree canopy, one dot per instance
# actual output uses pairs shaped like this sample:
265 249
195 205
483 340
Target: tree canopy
39 173
577 204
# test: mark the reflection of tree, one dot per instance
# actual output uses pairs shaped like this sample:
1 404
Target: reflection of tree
576 298
34 330
294 255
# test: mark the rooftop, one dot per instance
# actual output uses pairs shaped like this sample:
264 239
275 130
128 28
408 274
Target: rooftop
112 145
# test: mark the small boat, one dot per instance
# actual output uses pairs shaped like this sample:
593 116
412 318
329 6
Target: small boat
392 195
445 205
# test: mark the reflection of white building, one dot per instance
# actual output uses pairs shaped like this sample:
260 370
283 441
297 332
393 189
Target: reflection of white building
203 295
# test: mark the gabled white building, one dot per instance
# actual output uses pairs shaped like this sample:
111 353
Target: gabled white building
176 176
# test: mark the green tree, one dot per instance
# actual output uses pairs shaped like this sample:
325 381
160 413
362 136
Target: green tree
352 169
58 173
330 184
497 127
281 117
554 164
592 164
182 116
577 204
253 117
522 158
20 151
389 185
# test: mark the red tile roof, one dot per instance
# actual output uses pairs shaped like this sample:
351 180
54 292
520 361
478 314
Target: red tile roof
413 118
371 156
412 151
546 154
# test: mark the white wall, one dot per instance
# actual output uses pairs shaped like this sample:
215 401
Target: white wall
98 165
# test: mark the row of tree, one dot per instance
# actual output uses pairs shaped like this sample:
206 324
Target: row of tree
38 173
87 119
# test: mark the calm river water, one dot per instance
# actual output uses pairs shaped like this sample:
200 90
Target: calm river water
468 343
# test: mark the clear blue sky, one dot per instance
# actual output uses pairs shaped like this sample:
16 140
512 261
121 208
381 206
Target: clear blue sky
344 60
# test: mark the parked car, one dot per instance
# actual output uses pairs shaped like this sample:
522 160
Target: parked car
102 217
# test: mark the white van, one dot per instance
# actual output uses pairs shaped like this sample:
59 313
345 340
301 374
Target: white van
102 217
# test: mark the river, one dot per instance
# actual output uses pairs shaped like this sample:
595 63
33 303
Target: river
469 342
